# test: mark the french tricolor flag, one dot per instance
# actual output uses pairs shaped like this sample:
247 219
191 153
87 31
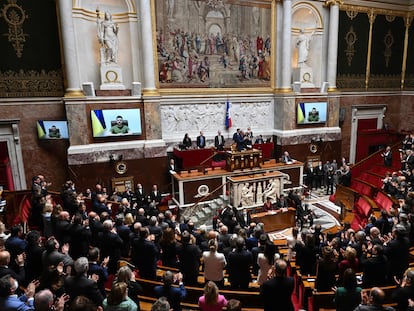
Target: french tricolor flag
229 122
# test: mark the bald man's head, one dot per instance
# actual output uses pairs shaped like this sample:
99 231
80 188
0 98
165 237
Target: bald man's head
280 267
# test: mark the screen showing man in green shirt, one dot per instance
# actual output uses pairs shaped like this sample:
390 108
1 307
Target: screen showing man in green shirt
120 127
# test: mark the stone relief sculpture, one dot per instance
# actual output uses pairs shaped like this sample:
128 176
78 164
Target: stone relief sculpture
271 190
259 193
177 119
246 196
108 38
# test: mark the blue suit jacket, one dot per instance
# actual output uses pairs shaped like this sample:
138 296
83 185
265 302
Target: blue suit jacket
173 294
14 303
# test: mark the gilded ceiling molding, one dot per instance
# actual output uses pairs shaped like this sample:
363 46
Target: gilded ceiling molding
333 2
376 11
15 16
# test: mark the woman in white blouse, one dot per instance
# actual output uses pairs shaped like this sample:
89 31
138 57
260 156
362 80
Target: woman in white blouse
214 264
266 261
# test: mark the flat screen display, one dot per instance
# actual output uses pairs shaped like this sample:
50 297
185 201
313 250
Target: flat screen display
52 129
309 113
116 122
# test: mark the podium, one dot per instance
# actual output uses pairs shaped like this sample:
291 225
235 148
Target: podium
246 159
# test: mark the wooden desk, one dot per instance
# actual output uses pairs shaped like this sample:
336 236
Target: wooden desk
246 159
274 221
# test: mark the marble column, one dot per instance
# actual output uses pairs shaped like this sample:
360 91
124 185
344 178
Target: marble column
148 83
73 87
333 44
287 46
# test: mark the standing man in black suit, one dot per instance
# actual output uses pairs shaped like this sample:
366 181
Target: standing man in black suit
201 140
239 263
278 289
155 195
387 155
189 256
320 173
81 285
219 141
140 196
243 218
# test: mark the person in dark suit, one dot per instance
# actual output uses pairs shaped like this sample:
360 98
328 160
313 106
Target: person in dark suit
282 202
81 236
228 218
187 143
155 195
243 218
18 273
239 263
111 245
189 259
374 267
139 196
320 174
387 155
145 254
286 158
9 299
174 295
100 270
201 141
219 141
310 176
278 289
15 244
397 252
81 285
238 138
405 291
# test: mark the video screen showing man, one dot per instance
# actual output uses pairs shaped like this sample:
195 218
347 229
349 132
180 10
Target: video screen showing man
54 132
313 115
120 126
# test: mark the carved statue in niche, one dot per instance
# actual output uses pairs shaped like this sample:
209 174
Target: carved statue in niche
303 45
108 38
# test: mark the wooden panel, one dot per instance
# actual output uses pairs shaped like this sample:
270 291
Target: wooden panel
274 221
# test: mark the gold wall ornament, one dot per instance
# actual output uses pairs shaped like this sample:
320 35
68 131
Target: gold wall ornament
31 83
390 18
15 16
351 14
350 38
388 41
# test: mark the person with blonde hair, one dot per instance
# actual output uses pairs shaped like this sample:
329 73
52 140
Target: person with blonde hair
126 275
214 264
118 299
211 300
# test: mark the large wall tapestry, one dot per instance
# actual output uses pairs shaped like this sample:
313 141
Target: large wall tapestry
352 49
387 52
213 43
